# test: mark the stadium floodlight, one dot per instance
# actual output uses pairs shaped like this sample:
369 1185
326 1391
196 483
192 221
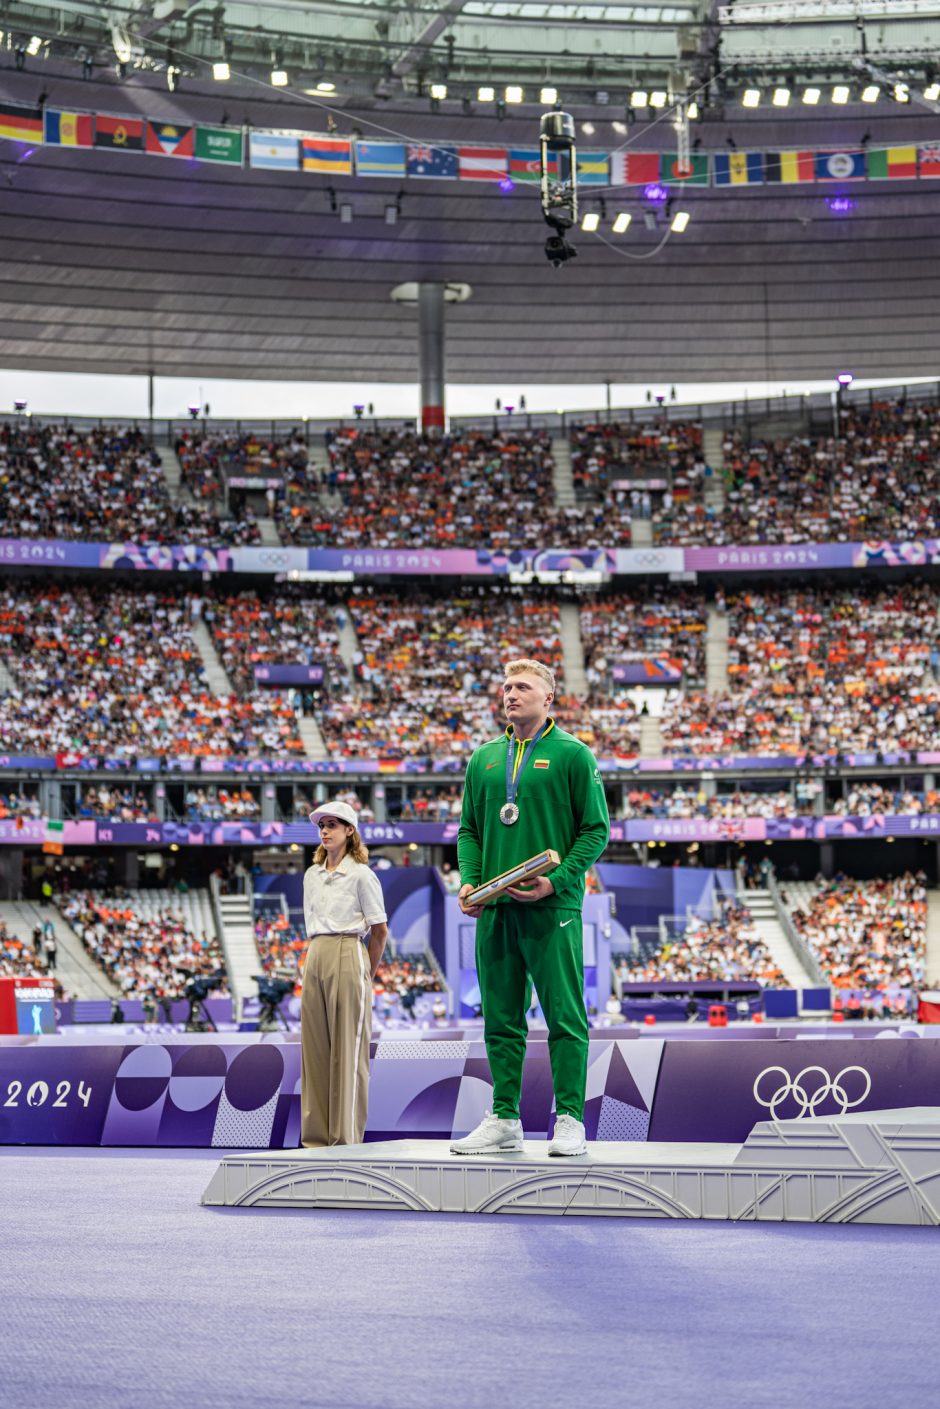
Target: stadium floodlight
811 96
692 111
486 94
639 99
34 46
548 96
20 406
221 71
513 93
845 379
588 129
172 78
781 98
871 93
751 98
325 86
902 93
680 222
622 222
279 78
932 92
619 127
590 221
840 93
438 92
658 98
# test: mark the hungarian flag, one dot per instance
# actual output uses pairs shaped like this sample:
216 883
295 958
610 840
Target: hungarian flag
789 168
21 124
68 129
165 139
123 134
634 168
482 163
893 164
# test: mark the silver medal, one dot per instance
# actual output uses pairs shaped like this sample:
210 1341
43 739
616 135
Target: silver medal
508 814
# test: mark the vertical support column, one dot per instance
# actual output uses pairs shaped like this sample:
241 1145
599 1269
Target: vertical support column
431 356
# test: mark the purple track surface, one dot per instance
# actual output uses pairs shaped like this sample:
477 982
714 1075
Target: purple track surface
120 1290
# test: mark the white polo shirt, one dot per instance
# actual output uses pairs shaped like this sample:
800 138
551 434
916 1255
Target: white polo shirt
348 900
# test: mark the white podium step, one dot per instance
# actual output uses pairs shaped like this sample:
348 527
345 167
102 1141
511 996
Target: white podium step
874 1167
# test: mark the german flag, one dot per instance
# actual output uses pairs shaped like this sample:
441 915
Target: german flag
21 124
122 134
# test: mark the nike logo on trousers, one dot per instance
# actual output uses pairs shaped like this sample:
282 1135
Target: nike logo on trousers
562 923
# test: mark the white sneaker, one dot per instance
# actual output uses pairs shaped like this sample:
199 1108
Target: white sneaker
568 1138
491 1135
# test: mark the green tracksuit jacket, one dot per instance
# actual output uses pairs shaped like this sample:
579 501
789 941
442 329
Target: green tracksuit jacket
561 805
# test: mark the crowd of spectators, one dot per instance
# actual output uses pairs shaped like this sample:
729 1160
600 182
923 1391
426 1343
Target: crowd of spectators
20 804
630 471
208 457
820 671
114 672
425 805
114 802
20 959
692 801
288 627
867 799
467 489
726 948
218 804
142 954
868 934
879 479
106 484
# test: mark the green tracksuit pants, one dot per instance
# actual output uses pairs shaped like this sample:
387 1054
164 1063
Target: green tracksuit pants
514 942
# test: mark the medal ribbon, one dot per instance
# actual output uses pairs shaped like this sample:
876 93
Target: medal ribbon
513 775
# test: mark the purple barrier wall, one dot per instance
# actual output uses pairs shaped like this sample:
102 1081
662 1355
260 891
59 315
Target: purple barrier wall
247 1096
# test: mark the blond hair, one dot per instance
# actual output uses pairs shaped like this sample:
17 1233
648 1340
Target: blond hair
535 667
355 847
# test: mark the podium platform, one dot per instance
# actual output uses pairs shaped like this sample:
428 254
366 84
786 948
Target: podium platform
866 1167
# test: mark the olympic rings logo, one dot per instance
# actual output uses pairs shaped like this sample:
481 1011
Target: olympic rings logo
823 1086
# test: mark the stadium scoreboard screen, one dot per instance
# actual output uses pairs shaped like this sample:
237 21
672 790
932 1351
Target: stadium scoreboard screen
27 1006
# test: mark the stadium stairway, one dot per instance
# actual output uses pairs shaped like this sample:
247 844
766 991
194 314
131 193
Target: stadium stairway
79 975
348 640
716 651
234 918
7 682
713 449
572 650
562 478
651 737
173 472
216 678
311 737
270 538
933 938
761 906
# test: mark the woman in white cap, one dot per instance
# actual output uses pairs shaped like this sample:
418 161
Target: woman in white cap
345 917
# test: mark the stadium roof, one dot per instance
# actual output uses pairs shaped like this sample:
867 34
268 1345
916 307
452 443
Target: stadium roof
113 262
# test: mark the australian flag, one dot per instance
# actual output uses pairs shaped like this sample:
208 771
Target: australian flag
432 161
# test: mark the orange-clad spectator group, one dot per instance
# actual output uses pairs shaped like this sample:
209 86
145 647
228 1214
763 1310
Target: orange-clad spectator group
726 948
868 934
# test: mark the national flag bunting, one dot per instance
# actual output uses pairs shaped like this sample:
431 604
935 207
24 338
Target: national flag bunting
525 164
739 168
165 139
272 151
789 168
380 158
634 168
892 164
123 134
930 160
332 154
21 124
840 166
482 163
68 129
223 144
440 162
693 172
593 169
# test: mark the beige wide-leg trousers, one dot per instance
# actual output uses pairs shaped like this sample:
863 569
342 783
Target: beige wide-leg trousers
335 1030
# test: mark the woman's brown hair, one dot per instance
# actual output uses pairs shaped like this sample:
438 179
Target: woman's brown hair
355 847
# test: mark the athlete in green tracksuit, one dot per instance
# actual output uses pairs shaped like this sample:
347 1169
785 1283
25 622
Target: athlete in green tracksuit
521 798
